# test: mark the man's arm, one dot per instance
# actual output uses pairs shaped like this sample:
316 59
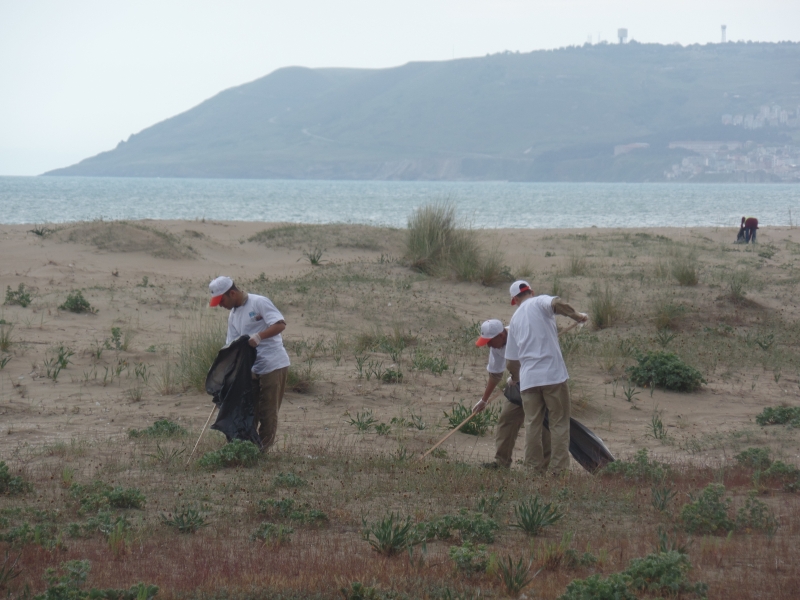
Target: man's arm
562 308
513 368
494 379
271 331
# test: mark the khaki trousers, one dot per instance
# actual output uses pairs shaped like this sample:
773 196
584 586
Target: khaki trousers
554 398
268 402
511 419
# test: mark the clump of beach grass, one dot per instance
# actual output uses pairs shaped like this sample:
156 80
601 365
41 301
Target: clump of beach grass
437 244
604 307
201 340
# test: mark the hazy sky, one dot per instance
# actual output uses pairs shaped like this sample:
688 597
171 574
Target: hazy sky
78 76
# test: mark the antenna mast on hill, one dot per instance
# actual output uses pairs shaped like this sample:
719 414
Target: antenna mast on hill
622 34
724 27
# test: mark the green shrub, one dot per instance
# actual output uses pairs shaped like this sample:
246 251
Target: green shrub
471 527
186 519
20 297
76 303
514 576
663 574
422 362
468 558
779 415
640 468
276 508
67 583
757 458
309 517
391 534
12 484
160 429
534 515
756 515
613 587
126 498
779 472
708 512
479 424
237 453
359 591
665 370
97 495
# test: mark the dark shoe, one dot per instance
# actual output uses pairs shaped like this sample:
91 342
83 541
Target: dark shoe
490 465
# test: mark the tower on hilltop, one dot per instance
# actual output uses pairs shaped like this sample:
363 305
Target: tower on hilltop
724 28
622 34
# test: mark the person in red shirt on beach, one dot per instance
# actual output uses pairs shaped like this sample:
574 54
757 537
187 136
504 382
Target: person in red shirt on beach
750 225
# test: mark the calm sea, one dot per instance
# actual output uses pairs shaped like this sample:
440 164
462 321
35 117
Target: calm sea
483 204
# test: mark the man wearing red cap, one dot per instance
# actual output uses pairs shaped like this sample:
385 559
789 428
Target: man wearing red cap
512 416
534 360
257 317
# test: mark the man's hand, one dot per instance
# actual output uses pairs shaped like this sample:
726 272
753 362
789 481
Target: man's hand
584 318
255 340
479 407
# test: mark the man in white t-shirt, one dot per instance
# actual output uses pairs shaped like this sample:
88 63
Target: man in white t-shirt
512 416
534 359
256 317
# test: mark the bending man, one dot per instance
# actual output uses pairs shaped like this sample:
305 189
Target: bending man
512 416
256 317
534 360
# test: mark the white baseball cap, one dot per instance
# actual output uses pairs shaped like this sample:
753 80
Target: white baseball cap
489 329
218 287
517 288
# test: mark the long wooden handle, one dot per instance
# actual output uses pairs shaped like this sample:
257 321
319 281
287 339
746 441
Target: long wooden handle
464 422
469 418
208 420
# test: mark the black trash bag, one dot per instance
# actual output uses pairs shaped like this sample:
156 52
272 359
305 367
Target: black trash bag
584 446
231 384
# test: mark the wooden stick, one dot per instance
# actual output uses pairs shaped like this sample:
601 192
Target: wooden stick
201 434
464 422
492 397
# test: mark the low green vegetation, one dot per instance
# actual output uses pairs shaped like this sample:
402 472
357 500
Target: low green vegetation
163 428
12 484
479 424
665 370
236 453
76 303
780 415
21 296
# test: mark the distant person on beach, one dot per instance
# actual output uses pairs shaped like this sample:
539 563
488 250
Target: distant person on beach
256 317
750 225
533 357
512 416
740 239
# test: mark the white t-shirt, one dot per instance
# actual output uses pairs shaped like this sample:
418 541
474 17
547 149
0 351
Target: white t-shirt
497 359
254 316
533 341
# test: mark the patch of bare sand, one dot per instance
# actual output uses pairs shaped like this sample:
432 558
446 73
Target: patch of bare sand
137 277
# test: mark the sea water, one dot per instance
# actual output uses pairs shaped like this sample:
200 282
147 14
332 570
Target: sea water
390 203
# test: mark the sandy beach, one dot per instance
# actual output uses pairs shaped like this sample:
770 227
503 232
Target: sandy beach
149 280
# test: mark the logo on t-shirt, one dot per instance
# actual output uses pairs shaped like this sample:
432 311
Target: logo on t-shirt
255 317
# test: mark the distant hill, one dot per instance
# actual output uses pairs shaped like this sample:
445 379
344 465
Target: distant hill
542 116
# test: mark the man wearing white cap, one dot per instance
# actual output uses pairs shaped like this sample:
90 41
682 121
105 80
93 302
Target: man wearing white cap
534 360
258 318
494 335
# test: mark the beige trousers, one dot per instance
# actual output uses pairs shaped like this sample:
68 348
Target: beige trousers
511 419
268 402
554 398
